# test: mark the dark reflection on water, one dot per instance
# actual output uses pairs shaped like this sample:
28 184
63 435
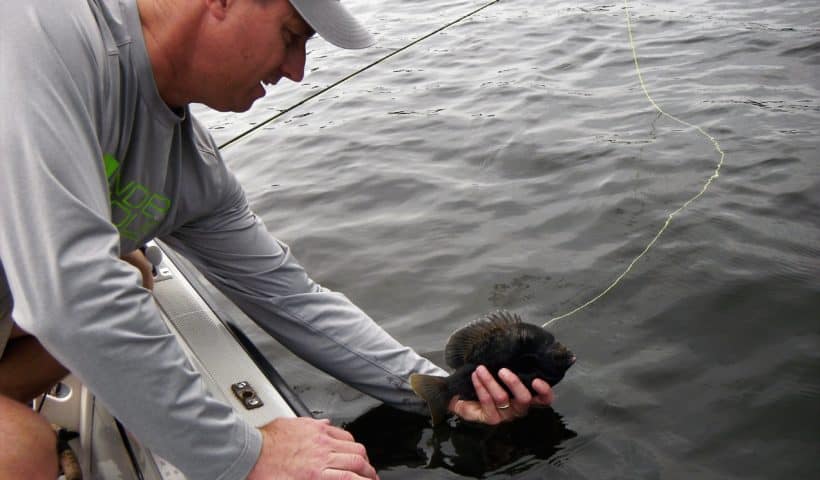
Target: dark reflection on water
395 438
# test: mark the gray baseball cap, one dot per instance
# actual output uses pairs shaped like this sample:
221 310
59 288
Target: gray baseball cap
334 23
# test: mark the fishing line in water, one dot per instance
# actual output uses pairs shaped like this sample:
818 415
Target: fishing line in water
669 218
363 69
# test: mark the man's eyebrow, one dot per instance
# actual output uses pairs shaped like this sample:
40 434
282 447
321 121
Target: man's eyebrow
299 26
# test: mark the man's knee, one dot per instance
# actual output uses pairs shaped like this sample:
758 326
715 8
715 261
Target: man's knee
27 369
29 443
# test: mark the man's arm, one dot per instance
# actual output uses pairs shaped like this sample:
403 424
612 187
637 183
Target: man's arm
237 254
231 246
61 253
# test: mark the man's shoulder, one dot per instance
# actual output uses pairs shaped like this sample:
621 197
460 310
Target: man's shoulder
52 18
43 30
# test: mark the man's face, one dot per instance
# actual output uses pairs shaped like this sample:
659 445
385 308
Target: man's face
259 43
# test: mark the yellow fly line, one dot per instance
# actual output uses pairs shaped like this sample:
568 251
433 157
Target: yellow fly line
669 218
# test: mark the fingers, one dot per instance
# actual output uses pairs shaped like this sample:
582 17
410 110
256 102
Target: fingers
346 454
521 395
343 475
490 396
545 395
338 433
340 475
470 411
487 381
342 463
494 402
348 447
309 448
138 260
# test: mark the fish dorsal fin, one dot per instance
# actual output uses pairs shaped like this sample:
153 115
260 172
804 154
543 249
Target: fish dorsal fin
463 341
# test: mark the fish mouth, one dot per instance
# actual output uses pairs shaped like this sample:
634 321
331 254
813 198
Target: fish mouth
564 355
563 358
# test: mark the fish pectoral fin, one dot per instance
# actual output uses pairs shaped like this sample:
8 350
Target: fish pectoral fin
434 391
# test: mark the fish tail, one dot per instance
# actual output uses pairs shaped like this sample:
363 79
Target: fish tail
434 391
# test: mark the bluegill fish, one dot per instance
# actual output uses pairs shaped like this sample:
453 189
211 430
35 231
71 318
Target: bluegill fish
499 340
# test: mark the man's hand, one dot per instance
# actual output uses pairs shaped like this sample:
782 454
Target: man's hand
494 405
301 448
138 259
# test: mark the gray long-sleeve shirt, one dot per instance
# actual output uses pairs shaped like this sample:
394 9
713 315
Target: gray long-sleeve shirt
94 164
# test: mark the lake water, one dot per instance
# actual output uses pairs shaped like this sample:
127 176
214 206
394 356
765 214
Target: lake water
513 161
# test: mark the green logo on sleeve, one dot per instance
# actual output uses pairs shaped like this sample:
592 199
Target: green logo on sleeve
111 165
135 209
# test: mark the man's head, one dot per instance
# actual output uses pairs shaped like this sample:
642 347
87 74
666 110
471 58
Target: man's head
222 52
331 20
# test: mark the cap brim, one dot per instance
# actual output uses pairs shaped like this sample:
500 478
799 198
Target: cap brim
334 23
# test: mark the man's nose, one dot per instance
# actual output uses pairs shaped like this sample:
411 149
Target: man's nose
294 66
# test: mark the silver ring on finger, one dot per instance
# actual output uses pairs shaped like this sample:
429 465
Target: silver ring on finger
504 406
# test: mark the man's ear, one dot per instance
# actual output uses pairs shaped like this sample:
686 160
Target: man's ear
218 8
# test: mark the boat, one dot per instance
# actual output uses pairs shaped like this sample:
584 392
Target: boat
233 369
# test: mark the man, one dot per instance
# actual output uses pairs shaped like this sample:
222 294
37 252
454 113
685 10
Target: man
99 155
